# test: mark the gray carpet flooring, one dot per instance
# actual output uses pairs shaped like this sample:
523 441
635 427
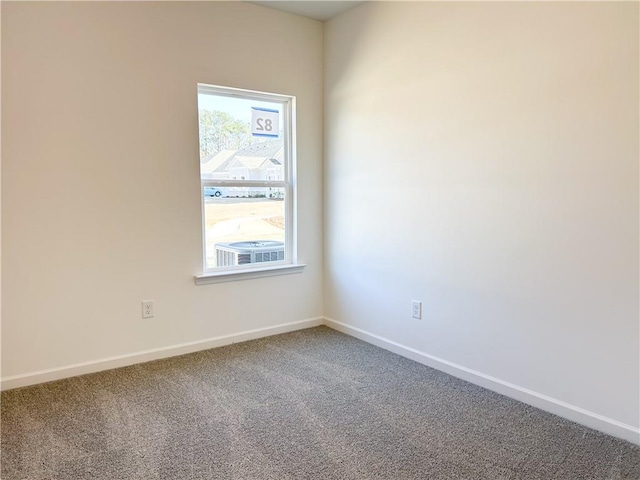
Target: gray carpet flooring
312 404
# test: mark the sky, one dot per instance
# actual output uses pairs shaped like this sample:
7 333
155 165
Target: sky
239 108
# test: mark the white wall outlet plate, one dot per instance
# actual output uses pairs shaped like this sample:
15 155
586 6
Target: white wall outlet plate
147 309
416 309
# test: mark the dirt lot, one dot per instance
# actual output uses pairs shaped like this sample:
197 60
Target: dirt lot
236 219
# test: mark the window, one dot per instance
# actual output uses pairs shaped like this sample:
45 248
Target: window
247 181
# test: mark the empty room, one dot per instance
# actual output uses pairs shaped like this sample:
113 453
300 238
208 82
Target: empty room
320 240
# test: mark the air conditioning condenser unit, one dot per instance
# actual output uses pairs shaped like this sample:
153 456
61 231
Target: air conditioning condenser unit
241 253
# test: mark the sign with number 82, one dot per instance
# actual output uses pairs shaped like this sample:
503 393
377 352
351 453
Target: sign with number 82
265 122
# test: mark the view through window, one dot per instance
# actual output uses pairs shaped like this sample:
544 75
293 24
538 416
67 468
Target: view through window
246 174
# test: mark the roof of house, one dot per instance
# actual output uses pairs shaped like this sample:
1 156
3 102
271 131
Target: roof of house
215 161
266 149
253 157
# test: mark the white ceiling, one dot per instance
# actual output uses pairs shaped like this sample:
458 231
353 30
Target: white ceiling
318 10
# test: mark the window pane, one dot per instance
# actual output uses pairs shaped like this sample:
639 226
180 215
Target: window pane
239 137
243 225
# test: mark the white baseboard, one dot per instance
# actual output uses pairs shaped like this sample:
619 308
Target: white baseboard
148 355
543 402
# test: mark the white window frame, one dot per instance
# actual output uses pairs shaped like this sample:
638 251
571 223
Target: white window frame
289 184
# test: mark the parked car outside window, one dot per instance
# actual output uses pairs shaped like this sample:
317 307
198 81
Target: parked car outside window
212 192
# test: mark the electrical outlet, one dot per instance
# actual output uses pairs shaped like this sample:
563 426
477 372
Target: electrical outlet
147 309
416 309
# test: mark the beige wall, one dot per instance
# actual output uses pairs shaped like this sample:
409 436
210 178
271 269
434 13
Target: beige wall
483 158
100 202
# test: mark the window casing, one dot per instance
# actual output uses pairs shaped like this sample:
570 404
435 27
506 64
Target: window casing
248 194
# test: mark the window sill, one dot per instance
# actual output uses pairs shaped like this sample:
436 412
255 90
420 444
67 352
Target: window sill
235 275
